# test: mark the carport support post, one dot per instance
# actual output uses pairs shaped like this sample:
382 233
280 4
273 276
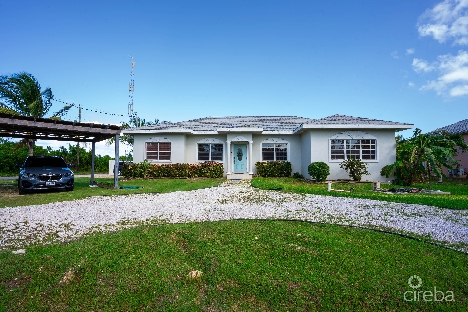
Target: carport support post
116 164
93 152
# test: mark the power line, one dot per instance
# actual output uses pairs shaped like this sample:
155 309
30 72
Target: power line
86 109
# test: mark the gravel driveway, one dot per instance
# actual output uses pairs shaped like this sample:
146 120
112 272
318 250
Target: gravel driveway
63 221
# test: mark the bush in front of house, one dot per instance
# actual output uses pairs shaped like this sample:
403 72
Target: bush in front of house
319 171
274 169
297 175
356 168
209 169
146 170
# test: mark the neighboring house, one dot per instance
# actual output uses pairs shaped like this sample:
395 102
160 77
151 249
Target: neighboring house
460 127
239 142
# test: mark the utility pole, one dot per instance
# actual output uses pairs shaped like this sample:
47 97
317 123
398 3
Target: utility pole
131 89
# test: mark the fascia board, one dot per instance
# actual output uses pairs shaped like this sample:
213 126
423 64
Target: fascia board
278 132
147 131
354 126
205 132
252 130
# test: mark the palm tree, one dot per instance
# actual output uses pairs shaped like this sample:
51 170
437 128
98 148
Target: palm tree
22 93
423 155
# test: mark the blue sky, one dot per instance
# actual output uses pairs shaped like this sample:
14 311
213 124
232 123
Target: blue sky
399 60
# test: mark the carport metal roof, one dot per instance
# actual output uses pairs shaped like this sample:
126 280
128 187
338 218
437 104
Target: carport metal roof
23 127
49 129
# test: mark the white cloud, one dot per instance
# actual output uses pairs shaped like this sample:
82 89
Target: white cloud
447 20
459 90
410 51
394 54
452 72
411 84
421 66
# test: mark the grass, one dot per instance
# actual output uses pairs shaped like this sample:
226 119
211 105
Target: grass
458 188
245 265
10 198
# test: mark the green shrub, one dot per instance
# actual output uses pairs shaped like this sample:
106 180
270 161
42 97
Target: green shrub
146 170
355 168
297 175
274 169
319 171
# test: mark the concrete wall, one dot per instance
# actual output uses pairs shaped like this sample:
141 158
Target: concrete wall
310 146
306 142
294 151
191 152
386 148
177 146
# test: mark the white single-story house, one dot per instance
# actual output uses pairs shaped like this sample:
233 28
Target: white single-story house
241 141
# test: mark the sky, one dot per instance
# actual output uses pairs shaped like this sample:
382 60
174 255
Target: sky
403 61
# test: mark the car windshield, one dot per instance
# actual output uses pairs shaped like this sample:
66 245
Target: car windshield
45 162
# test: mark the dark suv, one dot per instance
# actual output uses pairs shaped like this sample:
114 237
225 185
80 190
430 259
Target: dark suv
45 173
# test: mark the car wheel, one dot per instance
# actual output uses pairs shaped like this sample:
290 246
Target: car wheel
21 190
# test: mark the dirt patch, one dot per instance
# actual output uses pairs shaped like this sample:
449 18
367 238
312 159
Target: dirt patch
9 190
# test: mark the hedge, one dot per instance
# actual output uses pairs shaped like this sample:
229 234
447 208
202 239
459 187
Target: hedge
146 170
274 169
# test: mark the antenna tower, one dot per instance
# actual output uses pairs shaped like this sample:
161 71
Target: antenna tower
131 88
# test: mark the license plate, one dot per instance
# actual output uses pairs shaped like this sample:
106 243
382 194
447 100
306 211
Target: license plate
49 183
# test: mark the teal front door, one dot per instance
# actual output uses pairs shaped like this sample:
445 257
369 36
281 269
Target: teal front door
240 158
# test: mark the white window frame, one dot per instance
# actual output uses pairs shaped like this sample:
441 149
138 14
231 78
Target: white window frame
347 138
210 142
275 141
158 141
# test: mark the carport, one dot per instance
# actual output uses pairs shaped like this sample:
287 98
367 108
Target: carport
49 129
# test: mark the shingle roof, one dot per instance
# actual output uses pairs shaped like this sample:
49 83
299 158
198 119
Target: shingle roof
456 128
347 120
265 123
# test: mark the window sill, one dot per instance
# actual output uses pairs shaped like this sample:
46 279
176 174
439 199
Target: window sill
363 160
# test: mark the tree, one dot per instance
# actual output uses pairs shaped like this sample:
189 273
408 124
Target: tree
356 168
423 156
134 122
22 93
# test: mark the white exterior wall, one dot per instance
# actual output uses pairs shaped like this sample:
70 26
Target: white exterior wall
177 147
294 148
310 146
191 152
234 138
306 141
386 153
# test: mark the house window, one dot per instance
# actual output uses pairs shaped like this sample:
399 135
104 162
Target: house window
274 151
210 152
158 150
341 149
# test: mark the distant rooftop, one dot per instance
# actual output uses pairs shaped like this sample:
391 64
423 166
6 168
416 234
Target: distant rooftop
266 123
460 127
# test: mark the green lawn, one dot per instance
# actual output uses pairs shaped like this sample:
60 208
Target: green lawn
10 198
245 265
458 188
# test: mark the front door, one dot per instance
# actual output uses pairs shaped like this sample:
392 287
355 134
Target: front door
240 158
